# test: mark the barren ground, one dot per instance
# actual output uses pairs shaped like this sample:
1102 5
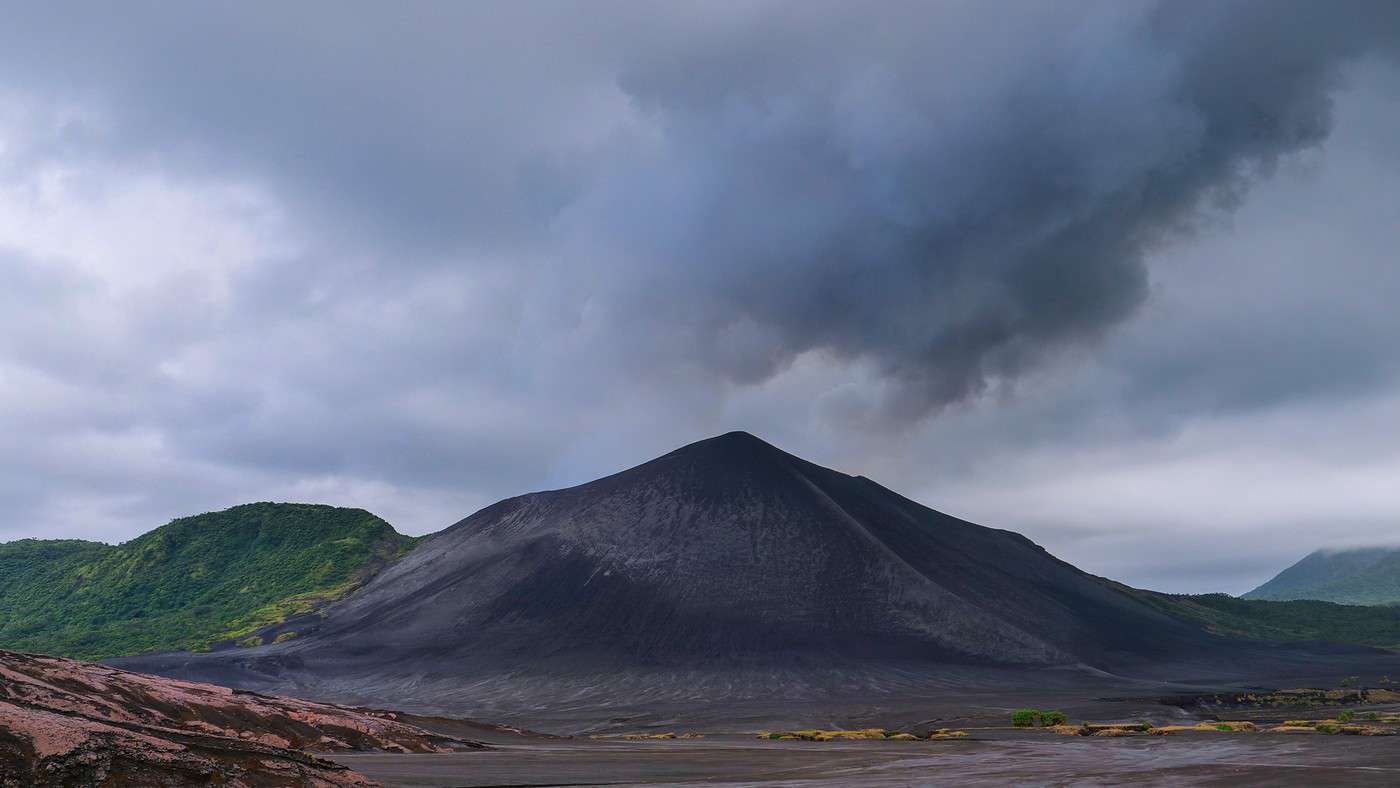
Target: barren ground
991 758
993 754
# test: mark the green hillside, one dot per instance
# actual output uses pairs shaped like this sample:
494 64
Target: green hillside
1366 576
1282 620
184 585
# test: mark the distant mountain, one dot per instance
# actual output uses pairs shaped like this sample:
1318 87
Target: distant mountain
1293 621
1365 576
239 574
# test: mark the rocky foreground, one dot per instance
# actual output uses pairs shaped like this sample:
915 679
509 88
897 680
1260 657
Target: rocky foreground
64 722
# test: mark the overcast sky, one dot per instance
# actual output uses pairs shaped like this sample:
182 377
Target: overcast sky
1120 276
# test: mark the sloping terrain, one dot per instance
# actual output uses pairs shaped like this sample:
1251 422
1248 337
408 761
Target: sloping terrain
727 568
195 581
728 552
64 722
723 573
1364 576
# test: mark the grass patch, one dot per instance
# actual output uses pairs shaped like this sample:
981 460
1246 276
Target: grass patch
1231 726
1106 730
1036 718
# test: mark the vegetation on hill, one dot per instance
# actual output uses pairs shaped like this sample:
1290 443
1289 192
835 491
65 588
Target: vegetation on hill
1364 576
1296 620
195 581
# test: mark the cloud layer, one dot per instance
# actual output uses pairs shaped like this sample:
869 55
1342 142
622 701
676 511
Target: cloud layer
421 257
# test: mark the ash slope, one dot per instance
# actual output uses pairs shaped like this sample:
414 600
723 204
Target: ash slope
730 551
724 554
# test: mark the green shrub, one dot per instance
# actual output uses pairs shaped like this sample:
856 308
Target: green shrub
1345 715
1035 718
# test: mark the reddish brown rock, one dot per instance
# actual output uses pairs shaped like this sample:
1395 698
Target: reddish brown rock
64 722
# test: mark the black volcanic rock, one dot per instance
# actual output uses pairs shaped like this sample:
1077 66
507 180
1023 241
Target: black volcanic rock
730 551
724 559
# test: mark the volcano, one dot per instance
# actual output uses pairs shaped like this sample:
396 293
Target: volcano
725 568
729 551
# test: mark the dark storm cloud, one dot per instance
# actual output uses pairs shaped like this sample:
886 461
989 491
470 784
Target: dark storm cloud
847 202
948 195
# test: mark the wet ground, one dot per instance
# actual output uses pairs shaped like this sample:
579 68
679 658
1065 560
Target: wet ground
990 758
